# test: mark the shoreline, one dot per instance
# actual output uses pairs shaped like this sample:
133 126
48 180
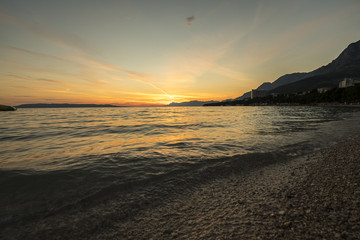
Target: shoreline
311 197
325 104
315 196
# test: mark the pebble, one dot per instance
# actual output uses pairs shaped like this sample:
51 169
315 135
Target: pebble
282 212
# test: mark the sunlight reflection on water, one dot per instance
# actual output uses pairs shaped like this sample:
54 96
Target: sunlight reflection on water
71 161
52 138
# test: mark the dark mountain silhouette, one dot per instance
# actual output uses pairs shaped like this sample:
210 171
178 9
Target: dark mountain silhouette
283 80
190 103
347 64
265 86
349 57
290 78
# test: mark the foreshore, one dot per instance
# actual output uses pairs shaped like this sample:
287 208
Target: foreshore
313 197
316 196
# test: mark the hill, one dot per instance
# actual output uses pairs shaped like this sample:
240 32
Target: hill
283 80
190 103
347 64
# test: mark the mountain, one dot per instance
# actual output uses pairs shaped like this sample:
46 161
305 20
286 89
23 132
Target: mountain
347 64
283 80
190 103
289 78
265 86
244 96
62 105
349 57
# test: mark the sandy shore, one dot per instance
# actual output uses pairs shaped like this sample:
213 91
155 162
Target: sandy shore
315 197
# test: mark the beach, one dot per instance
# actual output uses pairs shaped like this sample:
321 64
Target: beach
314 197
158 120
311 197
269 173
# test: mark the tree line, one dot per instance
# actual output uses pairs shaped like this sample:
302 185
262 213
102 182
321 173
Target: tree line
349 95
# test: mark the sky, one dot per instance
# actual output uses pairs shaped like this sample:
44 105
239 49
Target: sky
154 52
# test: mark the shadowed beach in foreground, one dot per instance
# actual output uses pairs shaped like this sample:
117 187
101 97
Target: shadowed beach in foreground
315 197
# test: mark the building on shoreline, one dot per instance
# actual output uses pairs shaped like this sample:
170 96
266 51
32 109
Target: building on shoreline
258 93
324 89
348 82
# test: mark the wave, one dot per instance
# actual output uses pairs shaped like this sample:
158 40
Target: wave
113 168
38 194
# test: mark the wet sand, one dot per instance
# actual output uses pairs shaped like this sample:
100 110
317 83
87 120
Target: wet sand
314 197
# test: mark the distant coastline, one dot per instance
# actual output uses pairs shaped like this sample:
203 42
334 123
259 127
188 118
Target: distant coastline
65 105
335 96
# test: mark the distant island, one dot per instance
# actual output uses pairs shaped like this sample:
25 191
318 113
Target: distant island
65 105
190 103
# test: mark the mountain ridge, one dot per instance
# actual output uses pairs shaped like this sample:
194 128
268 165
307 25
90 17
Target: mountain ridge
347 64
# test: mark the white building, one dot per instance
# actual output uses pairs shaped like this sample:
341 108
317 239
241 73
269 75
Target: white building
323 90
258 93
348 82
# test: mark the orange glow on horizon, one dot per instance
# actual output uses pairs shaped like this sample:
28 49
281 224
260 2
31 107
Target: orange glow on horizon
46 58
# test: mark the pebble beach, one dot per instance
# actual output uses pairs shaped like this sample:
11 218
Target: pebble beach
313 197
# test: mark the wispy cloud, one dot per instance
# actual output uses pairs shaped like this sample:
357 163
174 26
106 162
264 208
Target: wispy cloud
195 62
132 75
190 20
64 40
26 80
85 60
258 52
36 54
92 71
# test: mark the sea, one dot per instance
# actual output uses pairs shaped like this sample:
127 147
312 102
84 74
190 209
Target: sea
86 167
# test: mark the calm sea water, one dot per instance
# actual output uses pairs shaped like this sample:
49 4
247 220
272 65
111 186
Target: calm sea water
79 162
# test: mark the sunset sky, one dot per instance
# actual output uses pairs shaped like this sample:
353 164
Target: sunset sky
151 52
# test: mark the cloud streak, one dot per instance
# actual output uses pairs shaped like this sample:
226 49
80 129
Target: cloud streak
193 63
91 69
75 43
134 76
36 54
63 40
